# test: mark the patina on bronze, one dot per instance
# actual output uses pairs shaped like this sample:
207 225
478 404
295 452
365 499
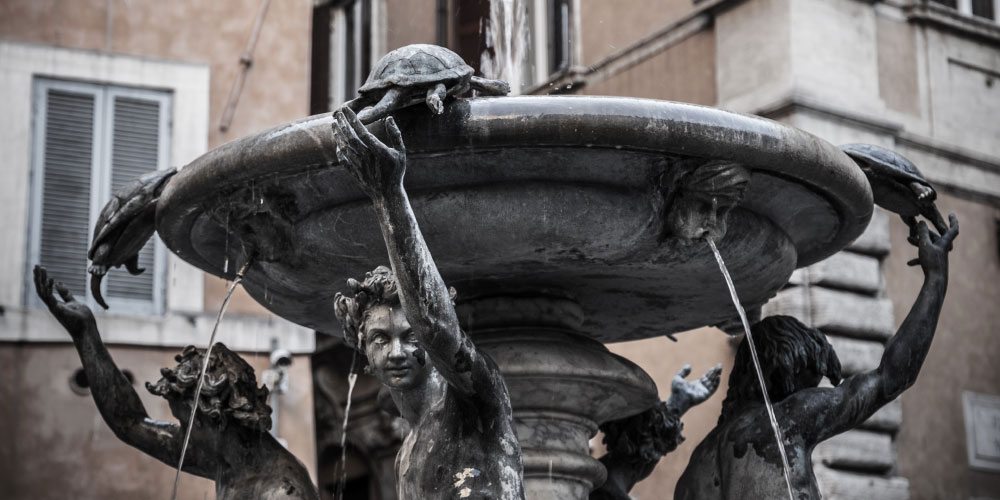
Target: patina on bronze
739 458
230 443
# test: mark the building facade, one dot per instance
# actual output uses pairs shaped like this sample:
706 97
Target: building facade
94 93
137 83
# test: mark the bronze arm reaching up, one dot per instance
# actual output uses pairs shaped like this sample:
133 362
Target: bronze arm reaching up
462 442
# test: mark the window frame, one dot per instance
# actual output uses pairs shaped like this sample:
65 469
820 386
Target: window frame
964 7
104 95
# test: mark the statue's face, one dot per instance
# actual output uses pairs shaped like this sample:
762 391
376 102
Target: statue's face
696 216
398 360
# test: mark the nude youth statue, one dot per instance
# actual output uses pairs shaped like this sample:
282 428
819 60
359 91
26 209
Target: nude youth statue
461 442
230 443
739 458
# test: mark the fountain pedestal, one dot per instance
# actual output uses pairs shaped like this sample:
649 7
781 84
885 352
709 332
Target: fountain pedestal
562 385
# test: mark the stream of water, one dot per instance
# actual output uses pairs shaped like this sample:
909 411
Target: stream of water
756 364
201 376
506 34
352 378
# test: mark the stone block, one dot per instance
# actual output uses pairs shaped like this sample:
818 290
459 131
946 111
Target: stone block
856 355
857 450
847 271
839 485
875 239
850 313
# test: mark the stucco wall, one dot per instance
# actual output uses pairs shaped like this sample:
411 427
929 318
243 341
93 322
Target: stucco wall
963 357
607 27
684 72
56 446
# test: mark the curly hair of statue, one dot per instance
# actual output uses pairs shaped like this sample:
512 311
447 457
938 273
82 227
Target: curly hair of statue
378 288
646 436
790 352
230 390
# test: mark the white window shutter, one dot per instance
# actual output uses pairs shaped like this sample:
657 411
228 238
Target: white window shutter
135 137
67 163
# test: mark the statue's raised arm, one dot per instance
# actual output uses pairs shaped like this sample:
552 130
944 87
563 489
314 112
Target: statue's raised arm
461 442
859 396
425 299
116 400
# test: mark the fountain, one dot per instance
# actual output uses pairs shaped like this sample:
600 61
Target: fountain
550 216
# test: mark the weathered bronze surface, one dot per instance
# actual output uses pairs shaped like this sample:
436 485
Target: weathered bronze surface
739 458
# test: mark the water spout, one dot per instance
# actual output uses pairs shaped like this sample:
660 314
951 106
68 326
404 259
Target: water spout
756 364
352 378
204 368
506 34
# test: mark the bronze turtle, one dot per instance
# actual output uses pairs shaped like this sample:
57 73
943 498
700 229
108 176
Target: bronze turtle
418 73
897 185
126 223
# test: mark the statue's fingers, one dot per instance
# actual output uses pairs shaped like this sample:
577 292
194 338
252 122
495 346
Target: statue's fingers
395 136
924 234
913 262
952 229
361 131
350 132
684 372
64 292
43 285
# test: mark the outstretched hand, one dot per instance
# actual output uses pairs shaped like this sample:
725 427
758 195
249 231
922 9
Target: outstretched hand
932 249
377 167
685 394
73 315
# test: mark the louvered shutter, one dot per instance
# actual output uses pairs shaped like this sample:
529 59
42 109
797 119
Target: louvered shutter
92 140
135 136
67 163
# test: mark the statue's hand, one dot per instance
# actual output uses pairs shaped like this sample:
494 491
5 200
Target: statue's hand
685 394
73 315
377 167
932 250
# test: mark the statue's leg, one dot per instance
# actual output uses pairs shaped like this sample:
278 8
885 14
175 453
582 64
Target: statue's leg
490 87
435 98
381 109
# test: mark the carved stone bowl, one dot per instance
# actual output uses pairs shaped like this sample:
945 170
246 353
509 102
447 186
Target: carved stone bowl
542 196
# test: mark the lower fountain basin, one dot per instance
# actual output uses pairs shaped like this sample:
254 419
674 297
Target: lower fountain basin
542 195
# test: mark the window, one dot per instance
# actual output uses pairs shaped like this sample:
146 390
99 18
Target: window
986 9
351 48
89 141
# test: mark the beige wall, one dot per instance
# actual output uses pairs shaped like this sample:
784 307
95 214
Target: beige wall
56 445
410 21
213 33
684 72
607 27
963 357
661 358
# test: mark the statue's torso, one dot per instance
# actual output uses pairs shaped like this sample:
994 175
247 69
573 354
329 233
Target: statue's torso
739 460
461 449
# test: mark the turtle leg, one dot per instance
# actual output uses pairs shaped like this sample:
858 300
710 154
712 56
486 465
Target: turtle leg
490 87
435 98
96 275
382 108
132 264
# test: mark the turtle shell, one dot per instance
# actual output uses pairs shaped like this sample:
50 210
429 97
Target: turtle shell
415 65
885 162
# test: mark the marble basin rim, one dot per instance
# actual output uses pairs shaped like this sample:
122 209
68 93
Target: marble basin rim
530 195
